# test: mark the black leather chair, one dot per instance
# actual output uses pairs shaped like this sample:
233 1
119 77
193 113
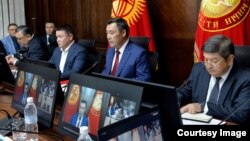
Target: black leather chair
242 55
2 49
152 56
93 56
140 40
88 44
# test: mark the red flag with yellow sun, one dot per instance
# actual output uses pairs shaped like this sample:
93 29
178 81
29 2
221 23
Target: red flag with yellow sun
72 103
135 12
228 17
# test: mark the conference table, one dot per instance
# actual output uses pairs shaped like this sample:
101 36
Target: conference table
5 104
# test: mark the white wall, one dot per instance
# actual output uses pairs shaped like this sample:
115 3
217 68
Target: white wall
11 11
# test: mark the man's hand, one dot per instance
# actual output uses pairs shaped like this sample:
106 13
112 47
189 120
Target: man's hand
11 61
8 57
191 108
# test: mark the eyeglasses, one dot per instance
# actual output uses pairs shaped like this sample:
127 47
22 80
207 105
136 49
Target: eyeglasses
20 38
214 62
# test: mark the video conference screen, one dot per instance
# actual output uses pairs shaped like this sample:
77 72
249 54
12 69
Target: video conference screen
96 102
38 82
160 95
144 126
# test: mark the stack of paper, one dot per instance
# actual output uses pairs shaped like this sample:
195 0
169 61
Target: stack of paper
197 117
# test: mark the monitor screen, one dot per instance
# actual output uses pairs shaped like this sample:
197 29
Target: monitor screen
5 72
154 94
89 101
42 84
40 62
130 129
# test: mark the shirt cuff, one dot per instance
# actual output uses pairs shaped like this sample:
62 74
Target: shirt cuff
15 62
202 106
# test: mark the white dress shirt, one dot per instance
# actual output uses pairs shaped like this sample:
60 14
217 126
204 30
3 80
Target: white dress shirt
64 57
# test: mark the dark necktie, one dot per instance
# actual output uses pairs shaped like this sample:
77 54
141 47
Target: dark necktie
215 92
116 64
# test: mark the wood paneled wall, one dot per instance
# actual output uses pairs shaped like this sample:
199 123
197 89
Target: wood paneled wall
173 24
88 17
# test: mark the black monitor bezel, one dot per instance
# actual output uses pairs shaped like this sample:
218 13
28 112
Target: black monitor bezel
5 71
40 63
108 86
48 74
156 95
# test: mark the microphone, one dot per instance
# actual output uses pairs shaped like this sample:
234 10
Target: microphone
225 119
186 83
21 52
91 67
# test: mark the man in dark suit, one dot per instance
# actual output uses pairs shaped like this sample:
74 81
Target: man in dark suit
217 86
131 61
69 57
30 46
49 40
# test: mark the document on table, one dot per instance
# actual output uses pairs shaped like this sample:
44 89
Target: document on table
199 119
192 122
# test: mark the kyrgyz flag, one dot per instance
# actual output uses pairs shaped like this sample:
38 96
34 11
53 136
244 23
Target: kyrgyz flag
72 103
135 12
228 17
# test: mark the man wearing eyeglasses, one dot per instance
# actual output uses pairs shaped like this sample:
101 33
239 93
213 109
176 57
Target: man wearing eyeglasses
217 86
30 46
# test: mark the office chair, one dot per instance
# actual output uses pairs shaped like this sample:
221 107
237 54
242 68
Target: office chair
2 49
88 44
93 55
242 55
152 56
140 40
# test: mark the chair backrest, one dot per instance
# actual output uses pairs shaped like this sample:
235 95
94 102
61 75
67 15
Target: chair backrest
93 55
2 49
141 40
93 58
152 56
88 44
242 55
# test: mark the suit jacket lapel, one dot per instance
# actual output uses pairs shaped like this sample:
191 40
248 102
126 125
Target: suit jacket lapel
110 59
71 50
205 81
125 56
59 59
227 84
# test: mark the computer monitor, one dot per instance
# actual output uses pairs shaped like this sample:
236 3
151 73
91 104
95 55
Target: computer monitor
40 63
5 72
96 102
42 84
145 126
154 94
